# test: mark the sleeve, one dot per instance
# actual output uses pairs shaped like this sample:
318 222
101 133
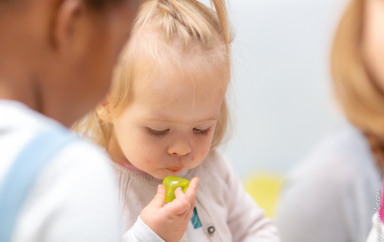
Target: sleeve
377 230
141 232
311 208
246 220
75 199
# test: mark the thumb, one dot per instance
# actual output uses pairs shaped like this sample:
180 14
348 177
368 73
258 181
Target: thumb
159 199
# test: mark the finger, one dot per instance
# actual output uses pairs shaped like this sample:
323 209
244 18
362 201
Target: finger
159 199
193 204
178 206
179 193
190 214
191 209
192 190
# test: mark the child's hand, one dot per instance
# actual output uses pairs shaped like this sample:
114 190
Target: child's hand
170 220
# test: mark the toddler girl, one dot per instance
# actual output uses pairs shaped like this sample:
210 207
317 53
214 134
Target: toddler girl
165 116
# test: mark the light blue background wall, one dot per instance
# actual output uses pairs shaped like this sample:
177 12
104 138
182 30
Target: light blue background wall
280 95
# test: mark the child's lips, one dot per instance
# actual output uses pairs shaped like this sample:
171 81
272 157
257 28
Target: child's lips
175 169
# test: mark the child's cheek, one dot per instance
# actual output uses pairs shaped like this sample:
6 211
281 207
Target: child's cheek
147 162
203 152
150 164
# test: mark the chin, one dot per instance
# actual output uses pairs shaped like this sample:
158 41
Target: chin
160 176
168 173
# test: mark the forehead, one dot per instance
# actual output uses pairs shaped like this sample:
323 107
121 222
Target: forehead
169 83
192 90
171 75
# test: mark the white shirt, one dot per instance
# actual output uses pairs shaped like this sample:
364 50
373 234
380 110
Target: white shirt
331 196
377 231
75 196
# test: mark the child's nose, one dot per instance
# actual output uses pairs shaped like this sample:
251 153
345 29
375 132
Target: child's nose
180 147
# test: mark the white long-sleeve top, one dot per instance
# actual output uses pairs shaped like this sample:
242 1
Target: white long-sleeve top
226 211
331 195
377 231
74 199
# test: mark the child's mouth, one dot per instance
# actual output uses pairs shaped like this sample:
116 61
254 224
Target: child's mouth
175 169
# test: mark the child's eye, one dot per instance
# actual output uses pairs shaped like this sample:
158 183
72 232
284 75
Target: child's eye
201 131
157 132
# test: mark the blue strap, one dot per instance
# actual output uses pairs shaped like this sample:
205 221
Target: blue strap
23 172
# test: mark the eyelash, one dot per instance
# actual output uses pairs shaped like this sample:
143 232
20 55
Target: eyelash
201 132
157 133
161 133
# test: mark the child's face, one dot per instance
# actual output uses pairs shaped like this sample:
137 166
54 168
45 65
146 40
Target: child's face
169 126
373 44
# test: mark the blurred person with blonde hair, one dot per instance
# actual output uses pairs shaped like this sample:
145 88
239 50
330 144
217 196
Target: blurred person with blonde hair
373 47
165 116
332 195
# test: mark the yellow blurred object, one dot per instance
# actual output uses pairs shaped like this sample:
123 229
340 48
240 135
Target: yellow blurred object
264 189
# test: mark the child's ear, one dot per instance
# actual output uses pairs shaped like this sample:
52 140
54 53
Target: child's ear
103 110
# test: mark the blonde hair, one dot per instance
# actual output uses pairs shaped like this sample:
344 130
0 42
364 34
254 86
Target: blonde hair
356 91
165 31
